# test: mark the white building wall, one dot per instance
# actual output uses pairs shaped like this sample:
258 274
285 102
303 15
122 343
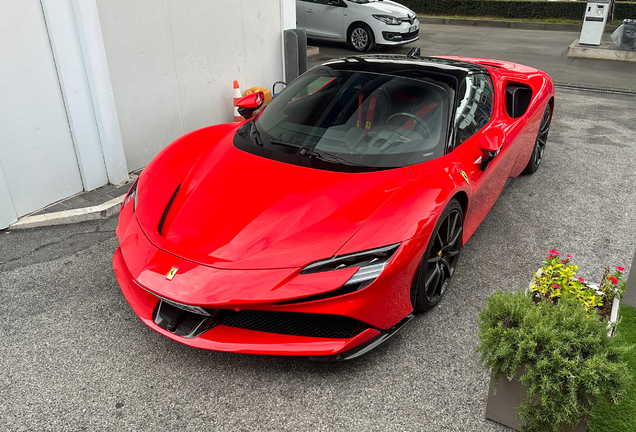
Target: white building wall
172 63
38 164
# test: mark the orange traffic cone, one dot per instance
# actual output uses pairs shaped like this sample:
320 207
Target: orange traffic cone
237 96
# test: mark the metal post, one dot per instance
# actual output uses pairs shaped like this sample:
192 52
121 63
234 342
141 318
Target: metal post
302 50
629 297
291 56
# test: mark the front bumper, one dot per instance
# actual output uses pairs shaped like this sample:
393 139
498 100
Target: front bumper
397 34
261 312
233 339
397 38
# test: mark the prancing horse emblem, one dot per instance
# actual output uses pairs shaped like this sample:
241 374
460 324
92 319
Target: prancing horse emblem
173 271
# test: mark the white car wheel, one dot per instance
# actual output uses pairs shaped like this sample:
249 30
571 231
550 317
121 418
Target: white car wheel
361 38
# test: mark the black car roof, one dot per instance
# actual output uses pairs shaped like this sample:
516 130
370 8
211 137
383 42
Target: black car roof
401 65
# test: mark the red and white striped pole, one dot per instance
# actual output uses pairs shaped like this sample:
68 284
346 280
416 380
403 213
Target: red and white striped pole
237 96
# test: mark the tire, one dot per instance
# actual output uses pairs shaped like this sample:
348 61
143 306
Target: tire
360 38
538 151
438 264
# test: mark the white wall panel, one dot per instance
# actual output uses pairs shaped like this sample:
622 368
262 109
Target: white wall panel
138 41
36 148
172 63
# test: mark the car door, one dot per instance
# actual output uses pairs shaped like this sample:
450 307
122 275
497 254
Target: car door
474 128
323 18
300 13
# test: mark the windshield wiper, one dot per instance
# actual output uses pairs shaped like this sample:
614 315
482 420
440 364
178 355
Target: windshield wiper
326 156
255 134
283 143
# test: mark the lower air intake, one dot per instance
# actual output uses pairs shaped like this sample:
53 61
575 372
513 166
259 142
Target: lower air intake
295 324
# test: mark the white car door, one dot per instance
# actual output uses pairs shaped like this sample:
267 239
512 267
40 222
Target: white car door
323 18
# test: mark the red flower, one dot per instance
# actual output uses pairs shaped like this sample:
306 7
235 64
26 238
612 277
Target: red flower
613 280
556 286
582 280
569 256
554 252
620 268
564 261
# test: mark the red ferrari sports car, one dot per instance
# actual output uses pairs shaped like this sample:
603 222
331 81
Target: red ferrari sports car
320 226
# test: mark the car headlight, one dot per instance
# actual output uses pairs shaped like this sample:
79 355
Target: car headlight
388 19
132 196
371 264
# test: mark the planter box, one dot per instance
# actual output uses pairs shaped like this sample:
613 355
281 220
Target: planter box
615 307
501 407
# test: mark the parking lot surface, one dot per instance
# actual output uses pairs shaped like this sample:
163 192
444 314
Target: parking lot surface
542 49
74 356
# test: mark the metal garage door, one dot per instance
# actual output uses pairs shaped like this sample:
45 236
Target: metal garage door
38 164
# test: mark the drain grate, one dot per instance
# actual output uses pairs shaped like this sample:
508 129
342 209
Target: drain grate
595 89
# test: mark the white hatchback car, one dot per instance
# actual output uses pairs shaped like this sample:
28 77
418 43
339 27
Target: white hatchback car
361 23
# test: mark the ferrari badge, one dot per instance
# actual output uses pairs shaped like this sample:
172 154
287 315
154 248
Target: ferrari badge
465 176
173 271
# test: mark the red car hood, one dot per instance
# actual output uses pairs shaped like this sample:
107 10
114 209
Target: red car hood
235 210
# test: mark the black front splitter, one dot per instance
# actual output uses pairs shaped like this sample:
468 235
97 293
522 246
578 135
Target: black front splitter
365 347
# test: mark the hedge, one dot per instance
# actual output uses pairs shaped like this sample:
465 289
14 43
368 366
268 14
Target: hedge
512 9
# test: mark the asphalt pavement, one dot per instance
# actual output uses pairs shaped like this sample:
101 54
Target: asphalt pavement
74 356
542 49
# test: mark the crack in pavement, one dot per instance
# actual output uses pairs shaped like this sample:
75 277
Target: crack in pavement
6 265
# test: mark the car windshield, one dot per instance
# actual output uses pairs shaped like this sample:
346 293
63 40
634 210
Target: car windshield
358 118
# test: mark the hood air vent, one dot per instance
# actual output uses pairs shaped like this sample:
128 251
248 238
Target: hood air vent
166 210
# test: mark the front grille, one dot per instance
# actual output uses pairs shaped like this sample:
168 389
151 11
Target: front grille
399 37
295 324
411 35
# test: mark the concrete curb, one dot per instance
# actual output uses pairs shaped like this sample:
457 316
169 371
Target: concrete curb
109 208
576 50
521 25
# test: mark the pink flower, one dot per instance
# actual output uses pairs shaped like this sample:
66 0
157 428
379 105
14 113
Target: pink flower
613 280
556 286
582 280
554 252
569 256
620 268
564 261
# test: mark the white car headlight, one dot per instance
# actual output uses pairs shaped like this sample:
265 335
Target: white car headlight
388 19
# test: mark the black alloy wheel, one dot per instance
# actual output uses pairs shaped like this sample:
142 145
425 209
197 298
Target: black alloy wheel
361 38
440 259
539 145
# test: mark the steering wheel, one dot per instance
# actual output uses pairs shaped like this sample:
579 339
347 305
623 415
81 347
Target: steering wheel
419 123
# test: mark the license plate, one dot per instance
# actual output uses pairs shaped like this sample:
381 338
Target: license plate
412 28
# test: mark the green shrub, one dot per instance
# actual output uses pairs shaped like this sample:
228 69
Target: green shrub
512 9
564 357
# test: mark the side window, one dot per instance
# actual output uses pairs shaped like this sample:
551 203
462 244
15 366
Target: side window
474 109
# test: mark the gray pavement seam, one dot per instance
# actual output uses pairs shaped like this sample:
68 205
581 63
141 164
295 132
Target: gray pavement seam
37 249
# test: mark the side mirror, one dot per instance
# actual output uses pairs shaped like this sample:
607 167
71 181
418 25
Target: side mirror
247 105
490 145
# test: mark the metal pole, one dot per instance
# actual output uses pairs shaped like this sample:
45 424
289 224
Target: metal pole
629 297
291 56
